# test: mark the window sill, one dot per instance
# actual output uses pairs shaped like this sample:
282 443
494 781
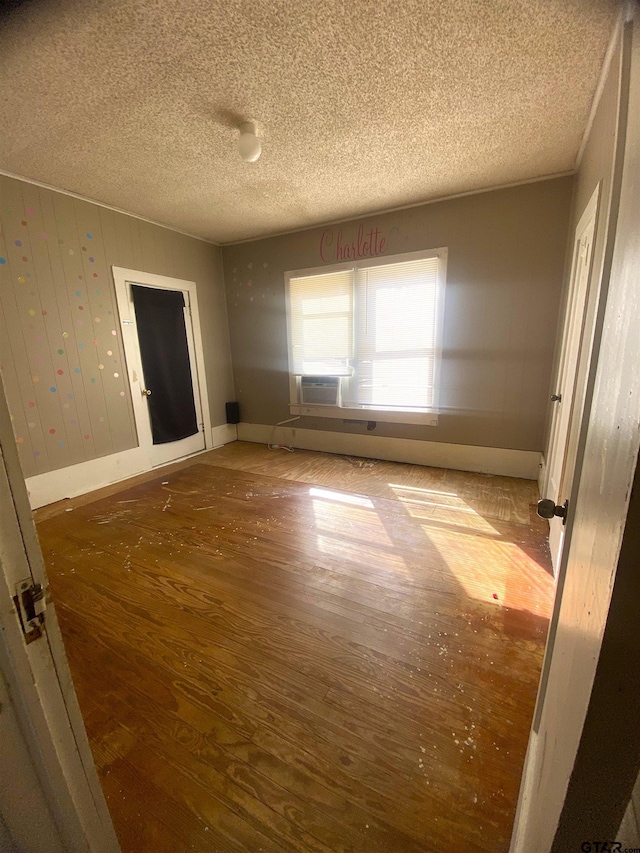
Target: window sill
365 414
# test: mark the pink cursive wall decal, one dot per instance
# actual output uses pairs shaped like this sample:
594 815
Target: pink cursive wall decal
367 244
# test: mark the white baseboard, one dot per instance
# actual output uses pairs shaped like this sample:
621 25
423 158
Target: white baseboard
461 457
94 474
84 477
223 434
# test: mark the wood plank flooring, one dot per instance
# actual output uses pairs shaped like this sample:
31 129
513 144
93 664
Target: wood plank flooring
303 652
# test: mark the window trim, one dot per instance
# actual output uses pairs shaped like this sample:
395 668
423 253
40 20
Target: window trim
425 417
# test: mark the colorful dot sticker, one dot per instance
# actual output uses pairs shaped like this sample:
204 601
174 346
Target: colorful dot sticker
77 370
21 279
31 403
32 313
18 242
116 375
122 393
53 389
19 440
65 334
96 319
113 332
35 378
109 352
101 367
89 236
60 372
52 431
60 352
3 260
87 437
92 260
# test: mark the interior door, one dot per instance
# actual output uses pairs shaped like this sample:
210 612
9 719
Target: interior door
569 395
169 376
161 332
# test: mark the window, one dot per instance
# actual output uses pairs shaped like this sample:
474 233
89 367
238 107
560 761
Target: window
367 338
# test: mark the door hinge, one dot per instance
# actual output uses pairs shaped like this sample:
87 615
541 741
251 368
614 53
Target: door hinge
30 604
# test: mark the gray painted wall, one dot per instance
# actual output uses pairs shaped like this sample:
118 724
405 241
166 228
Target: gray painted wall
504 283
60 343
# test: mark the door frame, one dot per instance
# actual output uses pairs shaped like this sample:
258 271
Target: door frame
575 335
121 278
42 701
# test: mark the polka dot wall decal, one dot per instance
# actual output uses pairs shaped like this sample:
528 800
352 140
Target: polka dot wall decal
80 346
78 293
60 372
44 313
92 260
69 396
97 291
95 343
96 319
3 260
19 440
61 444
101 367
89 235
36 453
113 332
95 275
87 437
93 380
29 211
65 334
52 431
60 352
24 222
77 370
32 313
9 212
122 393
109 352
44 235
25 258
35 378
31 403
53 389
116 375
80 307
18 242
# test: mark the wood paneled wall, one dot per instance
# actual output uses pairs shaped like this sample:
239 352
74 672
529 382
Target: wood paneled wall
60 343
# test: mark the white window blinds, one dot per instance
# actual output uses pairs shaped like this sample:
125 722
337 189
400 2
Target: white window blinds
321 316
395 335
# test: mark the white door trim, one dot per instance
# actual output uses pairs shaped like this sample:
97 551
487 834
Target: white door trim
121 277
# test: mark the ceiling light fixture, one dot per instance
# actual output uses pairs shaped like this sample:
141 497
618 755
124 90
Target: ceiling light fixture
249 145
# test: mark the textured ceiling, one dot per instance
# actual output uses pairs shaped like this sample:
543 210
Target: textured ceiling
364 105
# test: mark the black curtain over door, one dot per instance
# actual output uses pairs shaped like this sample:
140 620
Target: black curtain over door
165 361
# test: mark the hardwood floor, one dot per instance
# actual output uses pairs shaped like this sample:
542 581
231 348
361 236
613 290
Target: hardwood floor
303 652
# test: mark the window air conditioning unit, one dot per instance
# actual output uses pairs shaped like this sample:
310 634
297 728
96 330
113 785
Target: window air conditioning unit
320 390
